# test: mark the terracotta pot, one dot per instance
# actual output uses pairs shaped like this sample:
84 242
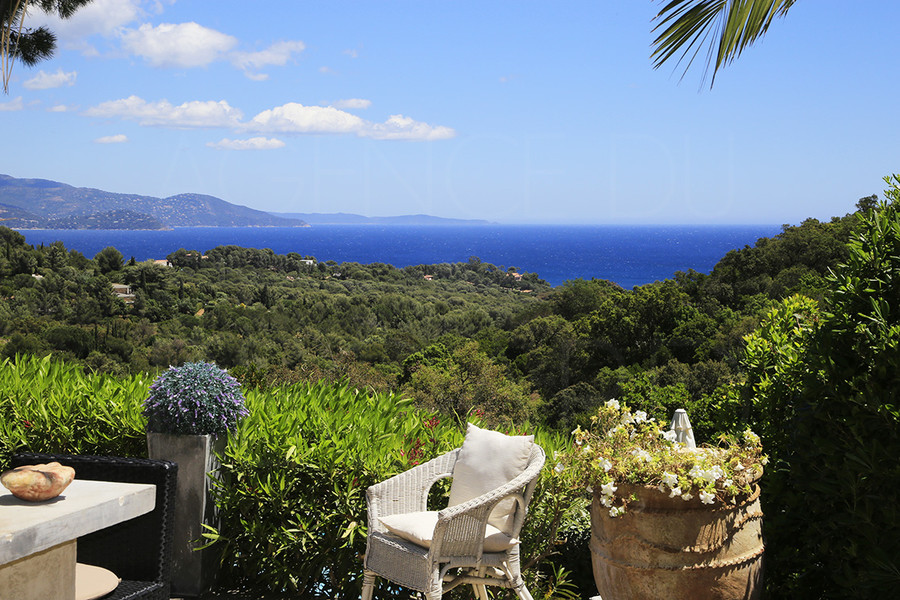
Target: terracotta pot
670 549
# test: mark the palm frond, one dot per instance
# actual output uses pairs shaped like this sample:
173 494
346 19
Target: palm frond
724 27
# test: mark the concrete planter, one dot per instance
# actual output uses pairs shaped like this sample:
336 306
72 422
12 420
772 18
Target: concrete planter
193 571
666 548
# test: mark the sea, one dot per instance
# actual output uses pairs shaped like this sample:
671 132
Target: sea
628 255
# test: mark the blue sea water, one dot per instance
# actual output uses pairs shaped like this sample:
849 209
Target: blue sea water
628 255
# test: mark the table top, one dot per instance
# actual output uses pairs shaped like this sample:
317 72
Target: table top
83 507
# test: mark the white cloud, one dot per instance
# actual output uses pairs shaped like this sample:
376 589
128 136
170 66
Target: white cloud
15 104
60 108
297 118
277 54
189 114
398 127
45 81
112 139
352 53
351 103
290 118
254 143
99 17
182 45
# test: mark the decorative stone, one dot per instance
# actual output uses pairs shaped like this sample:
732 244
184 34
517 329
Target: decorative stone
38 482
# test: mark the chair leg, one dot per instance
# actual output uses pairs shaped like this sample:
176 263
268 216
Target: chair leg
522 593
480 589
368 585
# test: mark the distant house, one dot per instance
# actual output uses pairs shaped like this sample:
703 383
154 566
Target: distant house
429 277
162 262
124 292
307 261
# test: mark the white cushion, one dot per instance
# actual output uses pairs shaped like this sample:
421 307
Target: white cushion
93 582
418 528
487 460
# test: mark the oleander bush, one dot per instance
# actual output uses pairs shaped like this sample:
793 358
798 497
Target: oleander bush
51 406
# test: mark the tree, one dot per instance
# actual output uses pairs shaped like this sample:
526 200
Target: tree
109 259
725 27
31 46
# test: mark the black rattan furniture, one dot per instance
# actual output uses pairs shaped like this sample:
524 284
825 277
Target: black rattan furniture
139 550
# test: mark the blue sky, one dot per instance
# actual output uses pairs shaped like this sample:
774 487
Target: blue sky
516 112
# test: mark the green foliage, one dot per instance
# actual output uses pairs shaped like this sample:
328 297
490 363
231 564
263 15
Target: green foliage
824 386
49 406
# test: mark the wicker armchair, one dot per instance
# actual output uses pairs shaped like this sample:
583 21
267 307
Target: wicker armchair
139 550
456 552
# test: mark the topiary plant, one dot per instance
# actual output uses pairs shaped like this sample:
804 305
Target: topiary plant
195 398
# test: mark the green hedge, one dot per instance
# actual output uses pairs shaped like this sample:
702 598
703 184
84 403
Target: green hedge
294 474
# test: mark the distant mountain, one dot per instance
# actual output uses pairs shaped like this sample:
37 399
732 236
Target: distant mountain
111 219
36 203
13 216
352 219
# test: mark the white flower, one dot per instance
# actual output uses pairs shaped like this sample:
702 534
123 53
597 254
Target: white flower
669 479
586 449
686 497
727 484
589 489
717 473
606 501
670 435
696 472
559 468
615 511
739 467
613 404
707 497
676 491
640 416
750 437
641 454
604 464
764 460
608 489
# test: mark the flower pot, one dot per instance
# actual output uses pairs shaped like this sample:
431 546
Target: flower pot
667 548
193 571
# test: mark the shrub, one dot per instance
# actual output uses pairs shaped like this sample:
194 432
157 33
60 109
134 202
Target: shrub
825 387
195 398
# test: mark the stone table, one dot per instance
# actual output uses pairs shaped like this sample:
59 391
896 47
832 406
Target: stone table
38 539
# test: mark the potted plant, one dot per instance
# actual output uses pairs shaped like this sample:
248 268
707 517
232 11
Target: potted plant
189 411
668 521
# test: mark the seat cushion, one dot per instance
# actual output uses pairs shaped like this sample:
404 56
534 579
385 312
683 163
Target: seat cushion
93 582
487 460
418 528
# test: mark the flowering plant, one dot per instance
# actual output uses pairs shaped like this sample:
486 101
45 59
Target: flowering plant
195 398
625 447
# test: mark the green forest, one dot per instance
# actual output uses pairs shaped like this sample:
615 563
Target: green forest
454 337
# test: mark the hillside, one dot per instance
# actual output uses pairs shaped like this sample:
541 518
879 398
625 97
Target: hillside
34 203
353 219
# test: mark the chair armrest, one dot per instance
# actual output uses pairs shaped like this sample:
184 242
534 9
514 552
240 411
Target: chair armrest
408 491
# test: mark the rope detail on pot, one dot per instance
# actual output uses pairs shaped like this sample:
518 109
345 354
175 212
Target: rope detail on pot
679 549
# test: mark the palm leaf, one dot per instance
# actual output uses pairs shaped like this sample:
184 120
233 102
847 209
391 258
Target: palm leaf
725 27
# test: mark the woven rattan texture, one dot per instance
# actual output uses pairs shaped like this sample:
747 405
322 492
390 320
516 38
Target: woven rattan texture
139 550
